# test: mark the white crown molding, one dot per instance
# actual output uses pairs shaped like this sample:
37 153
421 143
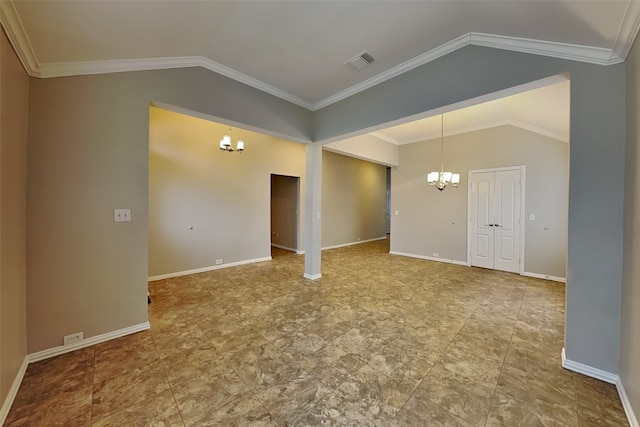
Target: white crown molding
385 138
571 52
628 30
124 65
594 55
489 125
438 52
539 130
18 37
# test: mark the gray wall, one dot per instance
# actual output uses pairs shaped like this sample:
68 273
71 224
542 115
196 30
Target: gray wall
431 221
594 258
225 197
14 113
88 154
353 200
630 335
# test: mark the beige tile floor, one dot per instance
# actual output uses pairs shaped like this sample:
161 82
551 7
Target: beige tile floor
380 340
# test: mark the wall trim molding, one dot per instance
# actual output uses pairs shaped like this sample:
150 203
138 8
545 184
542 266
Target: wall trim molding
429 258
607 377
353 243
628 30
18 38
16 33
312 276
13 391
205 269
286 248
626 404
587 370
571 52
545 276
56 351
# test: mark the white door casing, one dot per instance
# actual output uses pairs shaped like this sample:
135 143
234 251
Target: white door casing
495 219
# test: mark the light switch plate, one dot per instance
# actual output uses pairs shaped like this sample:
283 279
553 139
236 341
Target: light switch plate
121 215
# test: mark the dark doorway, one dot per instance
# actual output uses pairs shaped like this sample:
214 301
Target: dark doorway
285 212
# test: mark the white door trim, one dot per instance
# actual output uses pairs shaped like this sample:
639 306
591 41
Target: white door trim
523 175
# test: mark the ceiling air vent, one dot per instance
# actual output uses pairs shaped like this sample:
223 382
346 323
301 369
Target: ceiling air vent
361 61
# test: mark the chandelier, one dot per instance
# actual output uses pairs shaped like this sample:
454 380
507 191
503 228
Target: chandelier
225 144
442 179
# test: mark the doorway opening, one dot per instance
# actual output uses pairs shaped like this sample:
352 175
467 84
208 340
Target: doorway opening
285 217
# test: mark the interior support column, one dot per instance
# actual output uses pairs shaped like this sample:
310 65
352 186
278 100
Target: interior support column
313 209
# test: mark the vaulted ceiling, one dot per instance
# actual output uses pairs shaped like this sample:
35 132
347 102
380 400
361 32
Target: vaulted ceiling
300 50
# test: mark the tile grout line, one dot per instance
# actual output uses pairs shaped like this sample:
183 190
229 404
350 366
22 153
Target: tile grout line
164 370
504 359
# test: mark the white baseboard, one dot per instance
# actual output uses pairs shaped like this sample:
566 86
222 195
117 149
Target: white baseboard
56 351
633 420
448 261
13 391
545 276
353 243
605 376
312 276
587 370
205 269
286 248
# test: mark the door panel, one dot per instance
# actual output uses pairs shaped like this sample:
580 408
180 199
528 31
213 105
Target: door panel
494 214
507 220
482 188
483 249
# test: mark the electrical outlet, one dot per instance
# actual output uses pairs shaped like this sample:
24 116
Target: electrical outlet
436 254
73 338
121 215
219 261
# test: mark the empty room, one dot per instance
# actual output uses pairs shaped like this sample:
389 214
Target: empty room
319 213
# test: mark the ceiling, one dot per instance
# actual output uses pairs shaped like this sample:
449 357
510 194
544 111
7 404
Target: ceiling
298 50
545 110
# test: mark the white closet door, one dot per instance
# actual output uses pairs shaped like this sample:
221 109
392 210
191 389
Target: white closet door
481 207
507 221
495 216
